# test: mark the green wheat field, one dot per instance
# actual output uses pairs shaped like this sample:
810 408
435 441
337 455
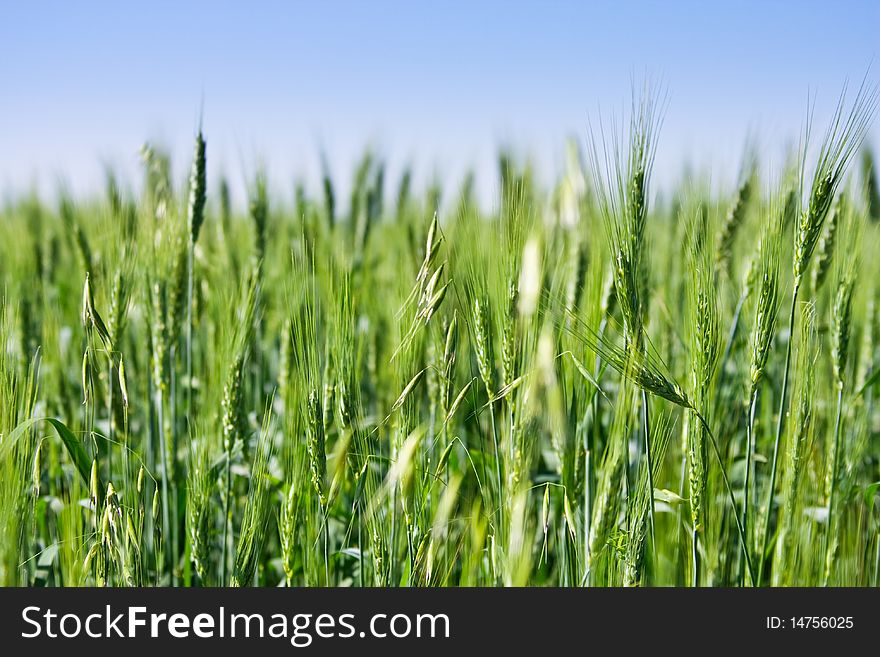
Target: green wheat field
587 384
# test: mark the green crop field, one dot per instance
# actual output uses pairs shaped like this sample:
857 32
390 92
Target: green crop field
583 384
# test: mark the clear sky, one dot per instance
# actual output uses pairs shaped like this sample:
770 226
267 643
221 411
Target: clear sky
437 84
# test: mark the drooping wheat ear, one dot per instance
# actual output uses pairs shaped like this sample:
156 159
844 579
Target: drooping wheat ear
645 368
197 189
483 345
733 221
842 140
825 253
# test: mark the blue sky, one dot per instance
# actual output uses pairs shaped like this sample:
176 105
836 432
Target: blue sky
440 84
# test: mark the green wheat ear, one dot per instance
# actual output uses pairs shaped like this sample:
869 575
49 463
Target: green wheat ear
704 343
622 179
734 220
475 393
197 189
767 289
842 141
